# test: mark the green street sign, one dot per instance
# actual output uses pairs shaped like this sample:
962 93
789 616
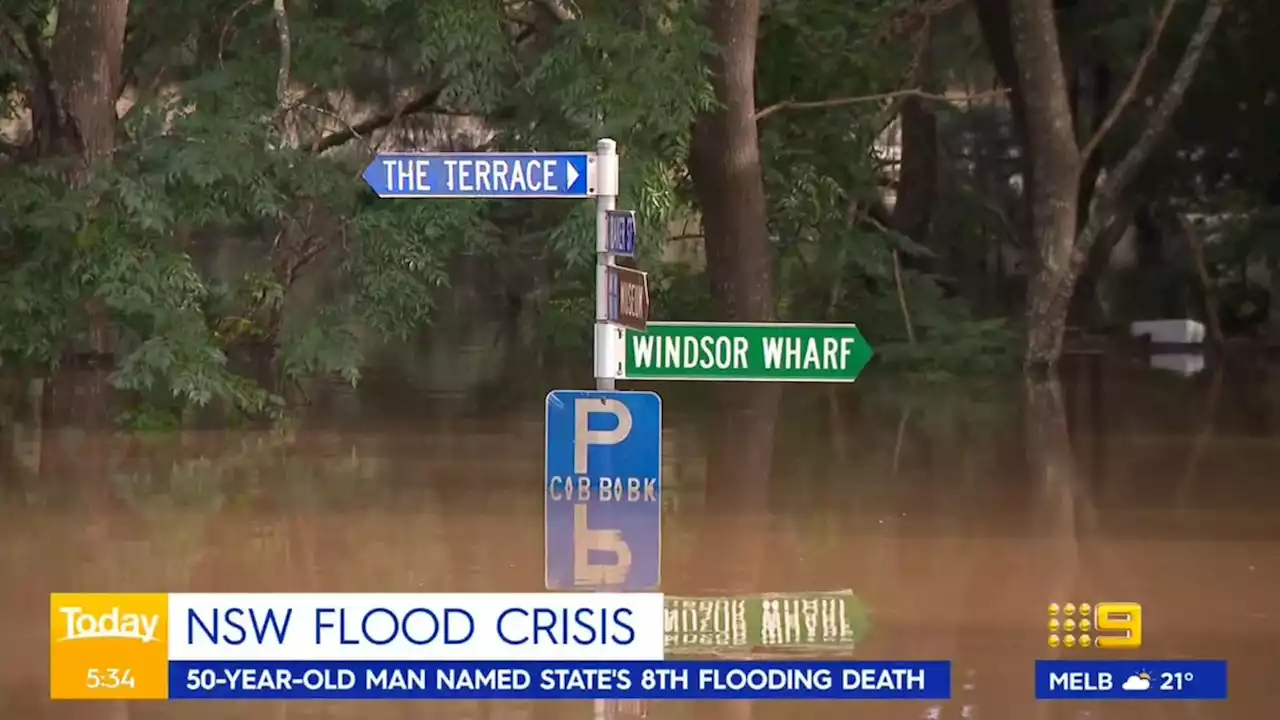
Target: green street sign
761 352
778 622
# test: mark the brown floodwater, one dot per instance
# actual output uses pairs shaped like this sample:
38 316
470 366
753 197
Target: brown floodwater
956 514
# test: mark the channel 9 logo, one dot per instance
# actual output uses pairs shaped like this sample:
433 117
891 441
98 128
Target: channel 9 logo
1106 625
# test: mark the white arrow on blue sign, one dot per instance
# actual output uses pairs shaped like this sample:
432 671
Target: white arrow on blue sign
620 238
482 175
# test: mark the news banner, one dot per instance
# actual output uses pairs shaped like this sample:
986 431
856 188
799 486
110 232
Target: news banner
543 646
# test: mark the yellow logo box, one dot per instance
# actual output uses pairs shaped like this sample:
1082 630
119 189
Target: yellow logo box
108 646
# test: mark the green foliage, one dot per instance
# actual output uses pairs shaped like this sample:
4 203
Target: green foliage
1257 233
679 292
207 155
203 159
821 175
321 347
567 323
400 257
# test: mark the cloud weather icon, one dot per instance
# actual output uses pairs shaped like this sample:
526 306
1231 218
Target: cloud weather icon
1141 681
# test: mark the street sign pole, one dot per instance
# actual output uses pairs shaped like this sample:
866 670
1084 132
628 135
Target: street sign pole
529 175
606 200
605 342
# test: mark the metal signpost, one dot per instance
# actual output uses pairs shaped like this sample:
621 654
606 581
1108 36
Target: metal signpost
603 490
604 448
627 459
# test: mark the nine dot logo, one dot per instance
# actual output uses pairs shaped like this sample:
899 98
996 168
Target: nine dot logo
1106 625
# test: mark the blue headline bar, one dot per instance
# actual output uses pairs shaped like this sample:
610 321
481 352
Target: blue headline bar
707 680
480 175
1131 679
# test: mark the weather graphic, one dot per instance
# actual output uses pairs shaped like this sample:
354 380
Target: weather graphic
1113 679
1139 682
1106 625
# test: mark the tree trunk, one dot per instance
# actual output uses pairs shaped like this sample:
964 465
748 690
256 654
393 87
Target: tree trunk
1273 311
739 468
729 182
918 170
734 544
1051 461
727 174
1055 174
1042 104
88 48
993 21
87 52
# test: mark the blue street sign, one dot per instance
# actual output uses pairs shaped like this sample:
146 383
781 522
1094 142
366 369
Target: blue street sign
480 175
620 238
603 490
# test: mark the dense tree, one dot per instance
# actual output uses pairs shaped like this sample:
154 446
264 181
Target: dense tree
251 130
1070 206
182 194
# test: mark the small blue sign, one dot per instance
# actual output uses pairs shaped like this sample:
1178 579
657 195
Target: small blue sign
603 490
480 175
613 291
620 238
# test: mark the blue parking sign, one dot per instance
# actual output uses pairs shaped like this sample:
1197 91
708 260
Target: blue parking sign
603 490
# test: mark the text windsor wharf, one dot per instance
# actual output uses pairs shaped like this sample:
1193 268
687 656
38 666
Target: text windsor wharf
766 352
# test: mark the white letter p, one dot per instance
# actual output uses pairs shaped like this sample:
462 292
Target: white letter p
584 438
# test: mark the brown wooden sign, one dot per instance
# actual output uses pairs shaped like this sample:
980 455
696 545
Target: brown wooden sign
628 297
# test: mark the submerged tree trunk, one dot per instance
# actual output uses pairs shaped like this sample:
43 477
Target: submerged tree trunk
727 173
83 85
733 541
88 49
1062 242
1051 462
729 182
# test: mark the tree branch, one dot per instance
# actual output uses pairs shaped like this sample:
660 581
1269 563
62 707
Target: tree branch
289 119
48 110
1158 121
893 109
226 27
859 99
420 103
560 9
12 37
1130 89
332 116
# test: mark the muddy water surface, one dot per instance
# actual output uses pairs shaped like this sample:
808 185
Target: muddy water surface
957 516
